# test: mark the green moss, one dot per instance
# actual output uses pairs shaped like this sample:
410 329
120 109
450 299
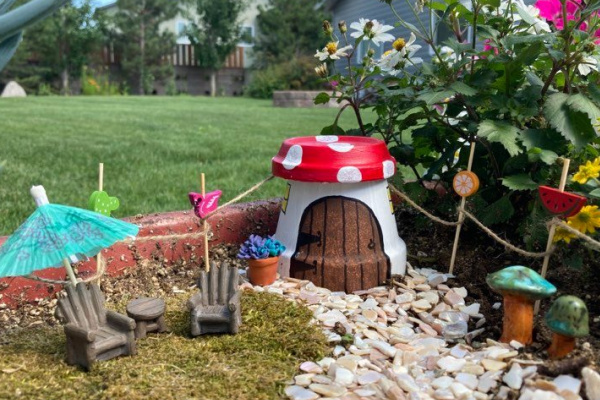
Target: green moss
275 337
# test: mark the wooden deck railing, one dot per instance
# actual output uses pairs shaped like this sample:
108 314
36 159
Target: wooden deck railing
183 56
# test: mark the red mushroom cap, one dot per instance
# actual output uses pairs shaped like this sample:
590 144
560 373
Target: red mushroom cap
339 159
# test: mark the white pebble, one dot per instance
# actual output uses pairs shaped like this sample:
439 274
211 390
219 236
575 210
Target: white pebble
469 380
592 383
567 382
451 364
300 393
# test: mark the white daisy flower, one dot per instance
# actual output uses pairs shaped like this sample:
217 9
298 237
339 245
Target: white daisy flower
587 65
393 61
372 30
331 51
409 50
530 15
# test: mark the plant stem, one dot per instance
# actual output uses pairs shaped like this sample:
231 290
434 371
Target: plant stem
553 72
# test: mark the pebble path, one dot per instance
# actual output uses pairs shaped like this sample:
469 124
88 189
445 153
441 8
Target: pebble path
417 341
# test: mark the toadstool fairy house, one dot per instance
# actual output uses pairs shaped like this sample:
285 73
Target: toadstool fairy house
337 220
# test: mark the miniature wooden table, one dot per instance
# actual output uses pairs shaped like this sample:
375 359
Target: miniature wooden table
148 314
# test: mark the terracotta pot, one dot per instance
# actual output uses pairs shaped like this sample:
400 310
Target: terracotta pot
264 271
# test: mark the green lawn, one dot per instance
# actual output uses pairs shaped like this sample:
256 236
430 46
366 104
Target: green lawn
153 149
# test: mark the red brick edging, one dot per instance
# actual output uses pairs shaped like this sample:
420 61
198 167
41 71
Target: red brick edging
232 224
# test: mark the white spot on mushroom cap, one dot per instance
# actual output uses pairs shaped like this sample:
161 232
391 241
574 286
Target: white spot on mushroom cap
293 158
327 139
349 175
388 169
341 147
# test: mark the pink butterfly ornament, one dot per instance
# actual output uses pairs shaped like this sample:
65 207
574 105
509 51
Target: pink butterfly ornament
204 205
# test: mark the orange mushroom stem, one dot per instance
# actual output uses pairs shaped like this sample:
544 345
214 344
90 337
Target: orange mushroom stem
568 319
520 287
561 346
518 319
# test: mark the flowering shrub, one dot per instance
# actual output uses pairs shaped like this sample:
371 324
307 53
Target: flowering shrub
516 80
586 221
257 247
97 86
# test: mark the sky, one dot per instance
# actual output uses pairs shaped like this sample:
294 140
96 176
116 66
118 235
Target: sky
98 3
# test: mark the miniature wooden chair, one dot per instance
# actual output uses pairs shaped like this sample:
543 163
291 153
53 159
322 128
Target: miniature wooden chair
216 309
93 333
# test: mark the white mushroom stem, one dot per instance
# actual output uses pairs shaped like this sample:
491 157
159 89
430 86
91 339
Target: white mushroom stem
41 199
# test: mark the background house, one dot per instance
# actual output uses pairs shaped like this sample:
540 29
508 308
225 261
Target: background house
189 77
352 10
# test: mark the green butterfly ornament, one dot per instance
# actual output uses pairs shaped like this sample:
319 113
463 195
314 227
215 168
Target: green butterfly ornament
102 203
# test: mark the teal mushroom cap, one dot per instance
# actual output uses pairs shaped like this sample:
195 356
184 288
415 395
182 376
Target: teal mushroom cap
520 281
568 316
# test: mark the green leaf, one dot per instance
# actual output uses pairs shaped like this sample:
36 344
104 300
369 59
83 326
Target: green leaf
512 40
463 88
434 5
333 130
501 132
483 78
492 3
594 92
436 97
499 211
519 182
579 102
545 139
404 154
573 125
595 193
546 156
530 54
322 98
533 79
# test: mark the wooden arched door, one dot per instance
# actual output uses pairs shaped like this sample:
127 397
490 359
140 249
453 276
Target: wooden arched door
340 246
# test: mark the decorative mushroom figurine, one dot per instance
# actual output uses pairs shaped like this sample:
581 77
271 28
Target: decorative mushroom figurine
567 318
520 287
337 221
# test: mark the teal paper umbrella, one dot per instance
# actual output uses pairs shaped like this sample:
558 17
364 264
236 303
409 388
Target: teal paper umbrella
56 234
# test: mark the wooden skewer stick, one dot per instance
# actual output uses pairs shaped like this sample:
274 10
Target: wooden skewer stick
100 188
100 176
561 187
461 215
206 260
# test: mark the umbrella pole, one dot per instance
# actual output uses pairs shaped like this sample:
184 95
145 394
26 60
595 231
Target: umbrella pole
70 272
100 188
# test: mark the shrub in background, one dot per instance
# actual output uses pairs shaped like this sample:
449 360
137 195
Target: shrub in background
97 84
295 74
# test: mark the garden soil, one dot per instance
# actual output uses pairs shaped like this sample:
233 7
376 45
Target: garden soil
430 245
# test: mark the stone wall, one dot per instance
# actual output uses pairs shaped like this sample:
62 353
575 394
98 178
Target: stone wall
298 98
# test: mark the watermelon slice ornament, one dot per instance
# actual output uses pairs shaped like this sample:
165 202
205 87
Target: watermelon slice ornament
560 203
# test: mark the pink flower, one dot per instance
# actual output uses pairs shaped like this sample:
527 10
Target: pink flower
488 47
334 84
551 10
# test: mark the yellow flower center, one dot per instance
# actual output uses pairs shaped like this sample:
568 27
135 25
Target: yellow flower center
387 53
584 217
399 44
331 47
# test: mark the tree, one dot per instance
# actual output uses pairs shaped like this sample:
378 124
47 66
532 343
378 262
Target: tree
215 34
140 42
62 44
288 29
